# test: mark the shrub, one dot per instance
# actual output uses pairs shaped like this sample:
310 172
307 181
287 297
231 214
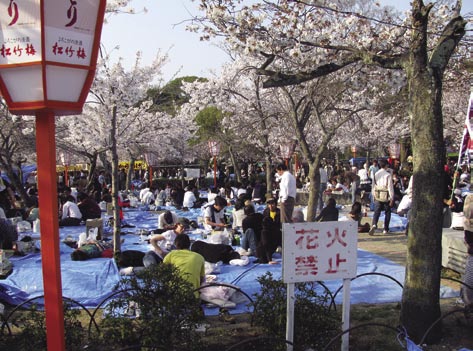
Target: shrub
169 312
30 333
314 322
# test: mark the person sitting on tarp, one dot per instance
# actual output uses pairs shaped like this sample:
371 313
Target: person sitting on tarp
88 207
162 244
329 212
71 215
214 214
355 214
166 221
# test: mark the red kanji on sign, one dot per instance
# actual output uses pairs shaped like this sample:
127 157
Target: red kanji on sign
335 269
30 50
70 51
81 53
337 237
311 242
306 265
18 50
319 251
4 51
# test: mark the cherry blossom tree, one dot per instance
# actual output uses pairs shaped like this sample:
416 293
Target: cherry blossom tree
315 112
116 118
301 41
17 147
248 121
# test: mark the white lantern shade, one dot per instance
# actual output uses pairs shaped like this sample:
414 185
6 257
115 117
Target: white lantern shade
394 150
48 53
214 148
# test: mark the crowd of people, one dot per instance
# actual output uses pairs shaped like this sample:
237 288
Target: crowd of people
383 185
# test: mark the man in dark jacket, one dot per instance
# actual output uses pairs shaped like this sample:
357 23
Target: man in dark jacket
271 234
252 225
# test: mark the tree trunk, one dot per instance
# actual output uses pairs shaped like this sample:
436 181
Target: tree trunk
236 167
420 299
115 205
314 191
269 177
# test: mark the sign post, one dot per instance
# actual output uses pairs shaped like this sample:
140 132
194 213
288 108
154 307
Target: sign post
316 251
48 55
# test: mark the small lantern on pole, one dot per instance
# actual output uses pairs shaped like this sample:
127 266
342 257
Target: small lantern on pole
394 150
214 149
287 150
66 162
47 66
150 159
353 151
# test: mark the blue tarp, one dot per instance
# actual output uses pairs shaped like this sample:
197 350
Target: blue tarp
27 170
90 282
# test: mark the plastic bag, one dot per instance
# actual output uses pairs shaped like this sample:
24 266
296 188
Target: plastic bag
213 267
23 226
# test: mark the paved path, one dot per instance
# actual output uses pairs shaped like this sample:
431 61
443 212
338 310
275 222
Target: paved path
391 246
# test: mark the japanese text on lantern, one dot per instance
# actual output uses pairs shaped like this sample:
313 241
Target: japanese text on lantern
319 251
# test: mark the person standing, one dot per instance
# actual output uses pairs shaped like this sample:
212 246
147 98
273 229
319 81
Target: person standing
287 193
373 169
383 178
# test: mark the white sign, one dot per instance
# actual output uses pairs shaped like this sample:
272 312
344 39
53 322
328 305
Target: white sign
315 251
192 172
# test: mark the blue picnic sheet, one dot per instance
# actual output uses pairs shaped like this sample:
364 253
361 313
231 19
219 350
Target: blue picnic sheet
90 282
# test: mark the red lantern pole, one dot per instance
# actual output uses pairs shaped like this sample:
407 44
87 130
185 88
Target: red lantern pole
66 176
215 172
150 175
45 82
50 255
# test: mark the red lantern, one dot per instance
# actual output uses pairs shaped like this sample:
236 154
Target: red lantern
47 65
